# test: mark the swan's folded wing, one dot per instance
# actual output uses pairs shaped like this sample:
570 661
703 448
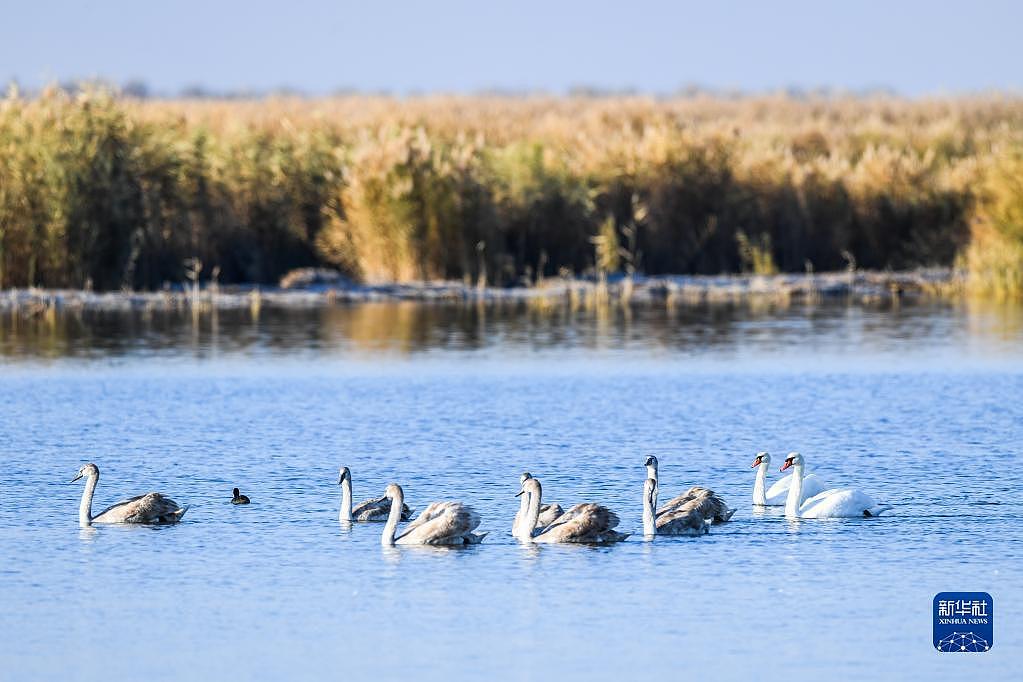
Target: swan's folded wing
681 523
565 517
695 493
377 508
812 485
439 521
586 521
428 514
372 506
781 487
708 506
149 508
116 510
838 503
549 513
821 496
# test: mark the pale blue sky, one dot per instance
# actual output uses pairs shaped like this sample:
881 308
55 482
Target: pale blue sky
914 47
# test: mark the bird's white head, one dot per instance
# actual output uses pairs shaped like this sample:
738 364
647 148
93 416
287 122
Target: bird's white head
651 461
529 485
88 469
524 477
394 491
343 474
761 458
791 460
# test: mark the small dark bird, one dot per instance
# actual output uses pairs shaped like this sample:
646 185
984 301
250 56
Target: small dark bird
239 498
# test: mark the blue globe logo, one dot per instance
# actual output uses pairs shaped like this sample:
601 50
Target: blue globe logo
963 641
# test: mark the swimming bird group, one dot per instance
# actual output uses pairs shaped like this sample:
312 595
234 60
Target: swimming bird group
449 523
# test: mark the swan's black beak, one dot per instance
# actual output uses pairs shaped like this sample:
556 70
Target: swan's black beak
77 476
519 493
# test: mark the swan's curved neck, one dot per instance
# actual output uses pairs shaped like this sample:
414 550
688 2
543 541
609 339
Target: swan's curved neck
85 508
531 516
393 517
795 491
760 485
649 505
346 500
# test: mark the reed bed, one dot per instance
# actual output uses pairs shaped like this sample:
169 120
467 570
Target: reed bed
103 192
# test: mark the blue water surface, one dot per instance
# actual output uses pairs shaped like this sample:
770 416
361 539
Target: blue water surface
920 407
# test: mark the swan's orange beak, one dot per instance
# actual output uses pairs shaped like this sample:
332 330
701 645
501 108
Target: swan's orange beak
786 465
757 462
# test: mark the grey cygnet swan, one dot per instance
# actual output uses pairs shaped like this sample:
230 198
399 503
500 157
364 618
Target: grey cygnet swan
704 500
371 510
148 508
548 512
441 523
680 522
583 523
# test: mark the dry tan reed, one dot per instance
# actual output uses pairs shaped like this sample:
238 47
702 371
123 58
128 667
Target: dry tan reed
108 192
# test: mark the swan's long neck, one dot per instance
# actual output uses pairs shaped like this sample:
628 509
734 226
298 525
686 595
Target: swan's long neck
85 508
393 517
346 500
531 516
649 505
651 471
795 491
760 485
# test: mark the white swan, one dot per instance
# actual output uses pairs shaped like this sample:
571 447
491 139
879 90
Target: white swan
705 500
370 510
441 523
776 495
682 522
548 512
148 508
585 523
830 504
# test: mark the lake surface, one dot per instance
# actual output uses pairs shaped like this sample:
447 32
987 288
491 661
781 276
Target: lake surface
921 406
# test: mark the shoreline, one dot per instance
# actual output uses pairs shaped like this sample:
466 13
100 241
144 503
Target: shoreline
863 287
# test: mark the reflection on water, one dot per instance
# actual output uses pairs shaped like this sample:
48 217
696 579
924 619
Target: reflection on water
411 328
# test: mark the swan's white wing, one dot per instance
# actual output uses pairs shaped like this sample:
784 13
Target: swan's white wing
779 492
149 508
813 485
837 503
780 488
440 522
